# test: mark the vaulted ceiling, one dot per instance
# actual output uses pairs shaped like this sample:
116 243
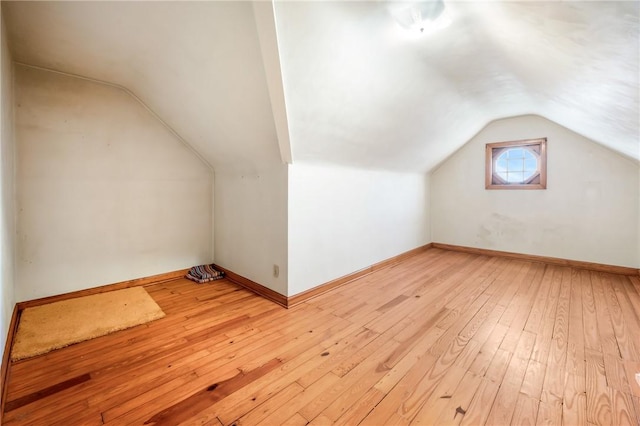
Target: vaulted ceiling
358 89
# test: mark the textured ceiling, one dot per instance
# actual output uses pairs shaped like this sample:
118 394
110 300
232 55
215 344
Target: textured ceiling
359 90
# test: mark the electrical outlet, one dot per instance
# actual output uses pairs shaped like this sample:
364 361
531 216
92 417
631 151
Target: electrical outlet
276 271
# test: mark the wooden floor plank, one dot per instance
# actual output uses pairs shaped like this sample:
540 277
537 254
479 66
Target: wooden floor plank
599 404
357 411
623 410
589 316
481 404
632 371
353 385
263 410
574 402
625 297
391 402
544 327
549 413
533 379
505 402
536 314
439 338
526 412
554 382
625 335
575 339
435 405
320 387
483 360
606 333
458 404
344 350
297 358
632 288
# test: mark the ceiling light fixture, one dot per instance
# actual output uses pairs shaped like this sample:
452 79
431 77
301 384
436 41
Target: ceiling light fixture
421 16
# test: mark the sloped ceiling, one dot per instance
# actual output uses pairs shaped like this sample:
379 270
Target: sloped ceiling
196 64
359 90
362 90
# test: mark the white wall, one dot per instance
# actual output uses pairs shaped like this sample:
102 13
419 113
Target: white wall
7 196
251 224
344 219
588 212
105 192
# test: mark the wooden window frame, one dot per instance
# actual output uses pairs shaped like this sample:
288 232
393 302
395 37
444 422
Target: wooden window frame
493 150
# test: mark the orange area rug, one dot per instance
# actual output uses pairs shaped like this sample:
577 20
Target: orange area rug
44 328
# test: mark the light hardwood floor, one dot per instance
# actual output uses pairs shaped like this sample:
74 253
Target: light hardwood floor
440 338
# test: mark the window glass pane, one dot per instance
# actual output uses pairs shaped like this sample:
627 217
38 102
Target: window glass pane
515 153
501 164
515 177
530 165
515 165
